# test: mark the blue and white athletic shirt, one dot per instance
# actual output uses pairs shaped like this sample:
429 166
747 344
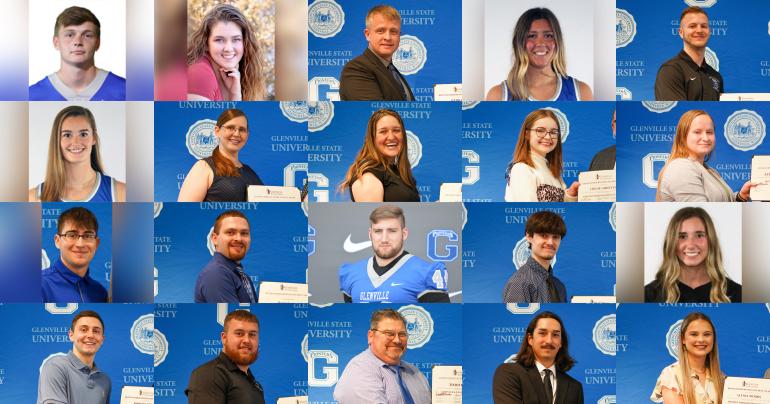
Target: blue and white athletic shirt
406 282
566 90
104 191
105 87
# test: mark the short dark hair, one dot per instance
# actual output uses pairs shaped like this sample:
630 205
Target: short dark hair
79 216
75 16
545 222
226 214
526 355
691 10
380 315
241 315
387 212
86 313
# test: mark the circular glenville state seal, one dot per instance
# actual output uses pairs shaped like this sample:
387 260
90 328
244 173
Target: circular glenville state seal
325 18
419 325
304 347
659 106
295 111
700 3
210 243
156 208
625 28
712 59
470 104
413 149
604 335
141 334
320 114
563 123
161 347
613 217
410 56
672 339
200 138
745 130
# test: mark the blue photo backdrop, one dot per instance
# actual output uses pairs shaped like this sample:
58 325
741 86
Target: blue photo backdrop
494 247
20 253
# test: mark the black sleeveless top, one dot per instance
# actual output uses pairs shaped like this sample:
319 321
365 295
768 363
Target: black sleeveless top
230 189
395 190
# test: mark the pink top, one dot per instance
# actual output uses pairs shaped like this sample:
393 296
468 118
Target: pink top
202 80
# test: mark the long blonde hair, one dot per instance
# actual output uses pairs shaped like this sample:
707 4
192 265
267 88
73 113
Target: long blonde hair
521 153
250 66
55 173
712 362
670 270
679 148
517 80
369 157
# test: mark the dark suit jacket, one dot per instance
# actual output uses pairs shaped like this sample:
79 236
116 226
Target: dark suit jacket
514 383
365 78
604 160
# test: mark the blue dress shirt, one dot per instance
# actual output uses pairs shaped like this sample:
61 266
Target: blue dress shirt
220 282
61 285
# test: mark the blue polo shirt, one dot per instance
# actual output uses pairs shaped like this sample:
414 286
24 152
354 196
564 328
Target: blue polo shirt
220 282
61 285
65 379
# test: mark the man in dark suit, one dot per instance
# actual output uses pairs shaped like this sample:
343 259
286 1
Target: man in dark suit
605 159
542 357
372 75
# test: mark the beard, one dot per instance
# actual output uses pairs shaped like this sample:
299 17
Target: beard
388 252
243 359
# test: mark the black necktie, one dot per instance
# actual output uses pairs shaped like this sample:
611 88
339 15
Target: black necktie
552 289
397 76
548 386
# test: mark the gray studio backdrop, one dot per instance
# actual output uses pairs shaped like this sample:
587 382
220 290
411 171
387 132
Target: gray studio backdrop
435 230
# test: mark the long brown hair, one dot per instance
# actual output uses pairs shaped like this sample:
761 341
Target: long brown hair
250 66
517 77
526 355
679 148
712 362
369 157
55 175
522 152
222 165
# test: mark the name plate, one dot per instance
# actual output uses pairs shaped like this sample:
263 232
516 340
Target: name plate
137 395
448 92
269 193
451 192
292 400
597 186
282 292
593 299
447 382
745 390
760 174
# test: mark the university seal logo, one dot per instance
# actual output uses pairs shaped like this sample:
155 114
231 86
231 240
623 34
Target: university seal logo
413 149
200 139
673 340
700 3
712 59
410 56
625 28
659 106
470 104
419 325
320 114
745 130
156 208
209 243
295 111
613 217
325 18
563 123
141 334
161 347
604 335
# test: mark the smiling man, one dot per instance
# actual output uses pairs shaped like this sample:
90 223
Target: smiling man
227 378
539 373
68 280
687 76
74 378
392 275
378 375
77 38
372 76
534 282
223 279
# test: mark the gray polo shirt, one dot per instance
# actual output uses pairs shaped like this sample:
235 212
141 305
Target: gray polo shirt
64 379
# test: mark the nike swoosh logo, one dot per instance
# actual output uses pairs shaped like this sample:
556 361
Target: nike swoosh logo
395 284
352 247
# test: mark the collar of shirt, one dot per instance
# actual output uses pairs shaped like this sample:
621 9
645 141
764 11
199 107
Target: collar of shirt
227 262
382 364
232 367
383 61
79 365
540 369
70 276
694 376
390 265
536 268
685 57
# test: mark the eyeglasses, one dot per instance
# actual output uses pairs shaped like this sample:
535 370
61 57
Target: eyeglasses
73 236
541 132
230 129
391 334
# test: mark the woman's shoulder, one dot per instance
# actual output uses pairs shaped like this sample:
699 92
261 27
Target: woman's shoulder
522 168
653 292
201 79
495 93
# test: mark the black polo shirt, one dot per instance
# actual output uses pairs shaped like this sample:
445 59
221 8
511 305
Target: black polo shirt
220 381
654 293
681 79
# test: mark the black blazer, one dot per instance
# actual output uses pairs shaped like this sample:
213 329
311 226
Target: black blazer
365 78
514 383
604 160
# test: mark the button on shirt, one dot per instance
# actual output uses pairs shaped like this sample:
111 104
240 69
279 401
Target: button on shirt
222 381
540 369
529 284
61 285
220 282
367 379
65 379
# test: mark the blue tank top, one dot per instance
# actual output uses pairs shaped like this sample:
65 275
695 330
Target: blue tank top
104 191
566 90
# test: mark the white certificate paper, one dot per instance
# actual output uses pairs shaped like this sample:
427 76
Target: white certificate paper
597 186
447 384
292 400
745 390
137 395
282 292
448 92
269 193
451 192
760 174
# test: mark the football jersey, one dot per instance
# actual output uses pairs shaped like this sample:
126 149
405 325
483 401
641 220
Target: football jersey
105 87
406 282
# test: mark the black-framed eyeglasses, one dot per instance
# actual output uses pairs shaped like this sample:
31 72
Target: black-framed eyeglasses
73 236
540 132
390 334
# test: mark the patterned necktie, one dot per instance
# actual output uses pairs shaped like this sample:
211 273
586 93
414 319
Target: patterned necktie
396 76
548 386
246 283
404 391
554 295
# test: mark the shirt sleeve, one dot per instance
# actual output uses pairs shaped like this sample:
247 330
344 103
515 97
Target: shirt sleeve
668 84
522 184
359 83
360 383
667 379
436 281
52 385
683 182
201 81
217 287
518 292
346 284
207 386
